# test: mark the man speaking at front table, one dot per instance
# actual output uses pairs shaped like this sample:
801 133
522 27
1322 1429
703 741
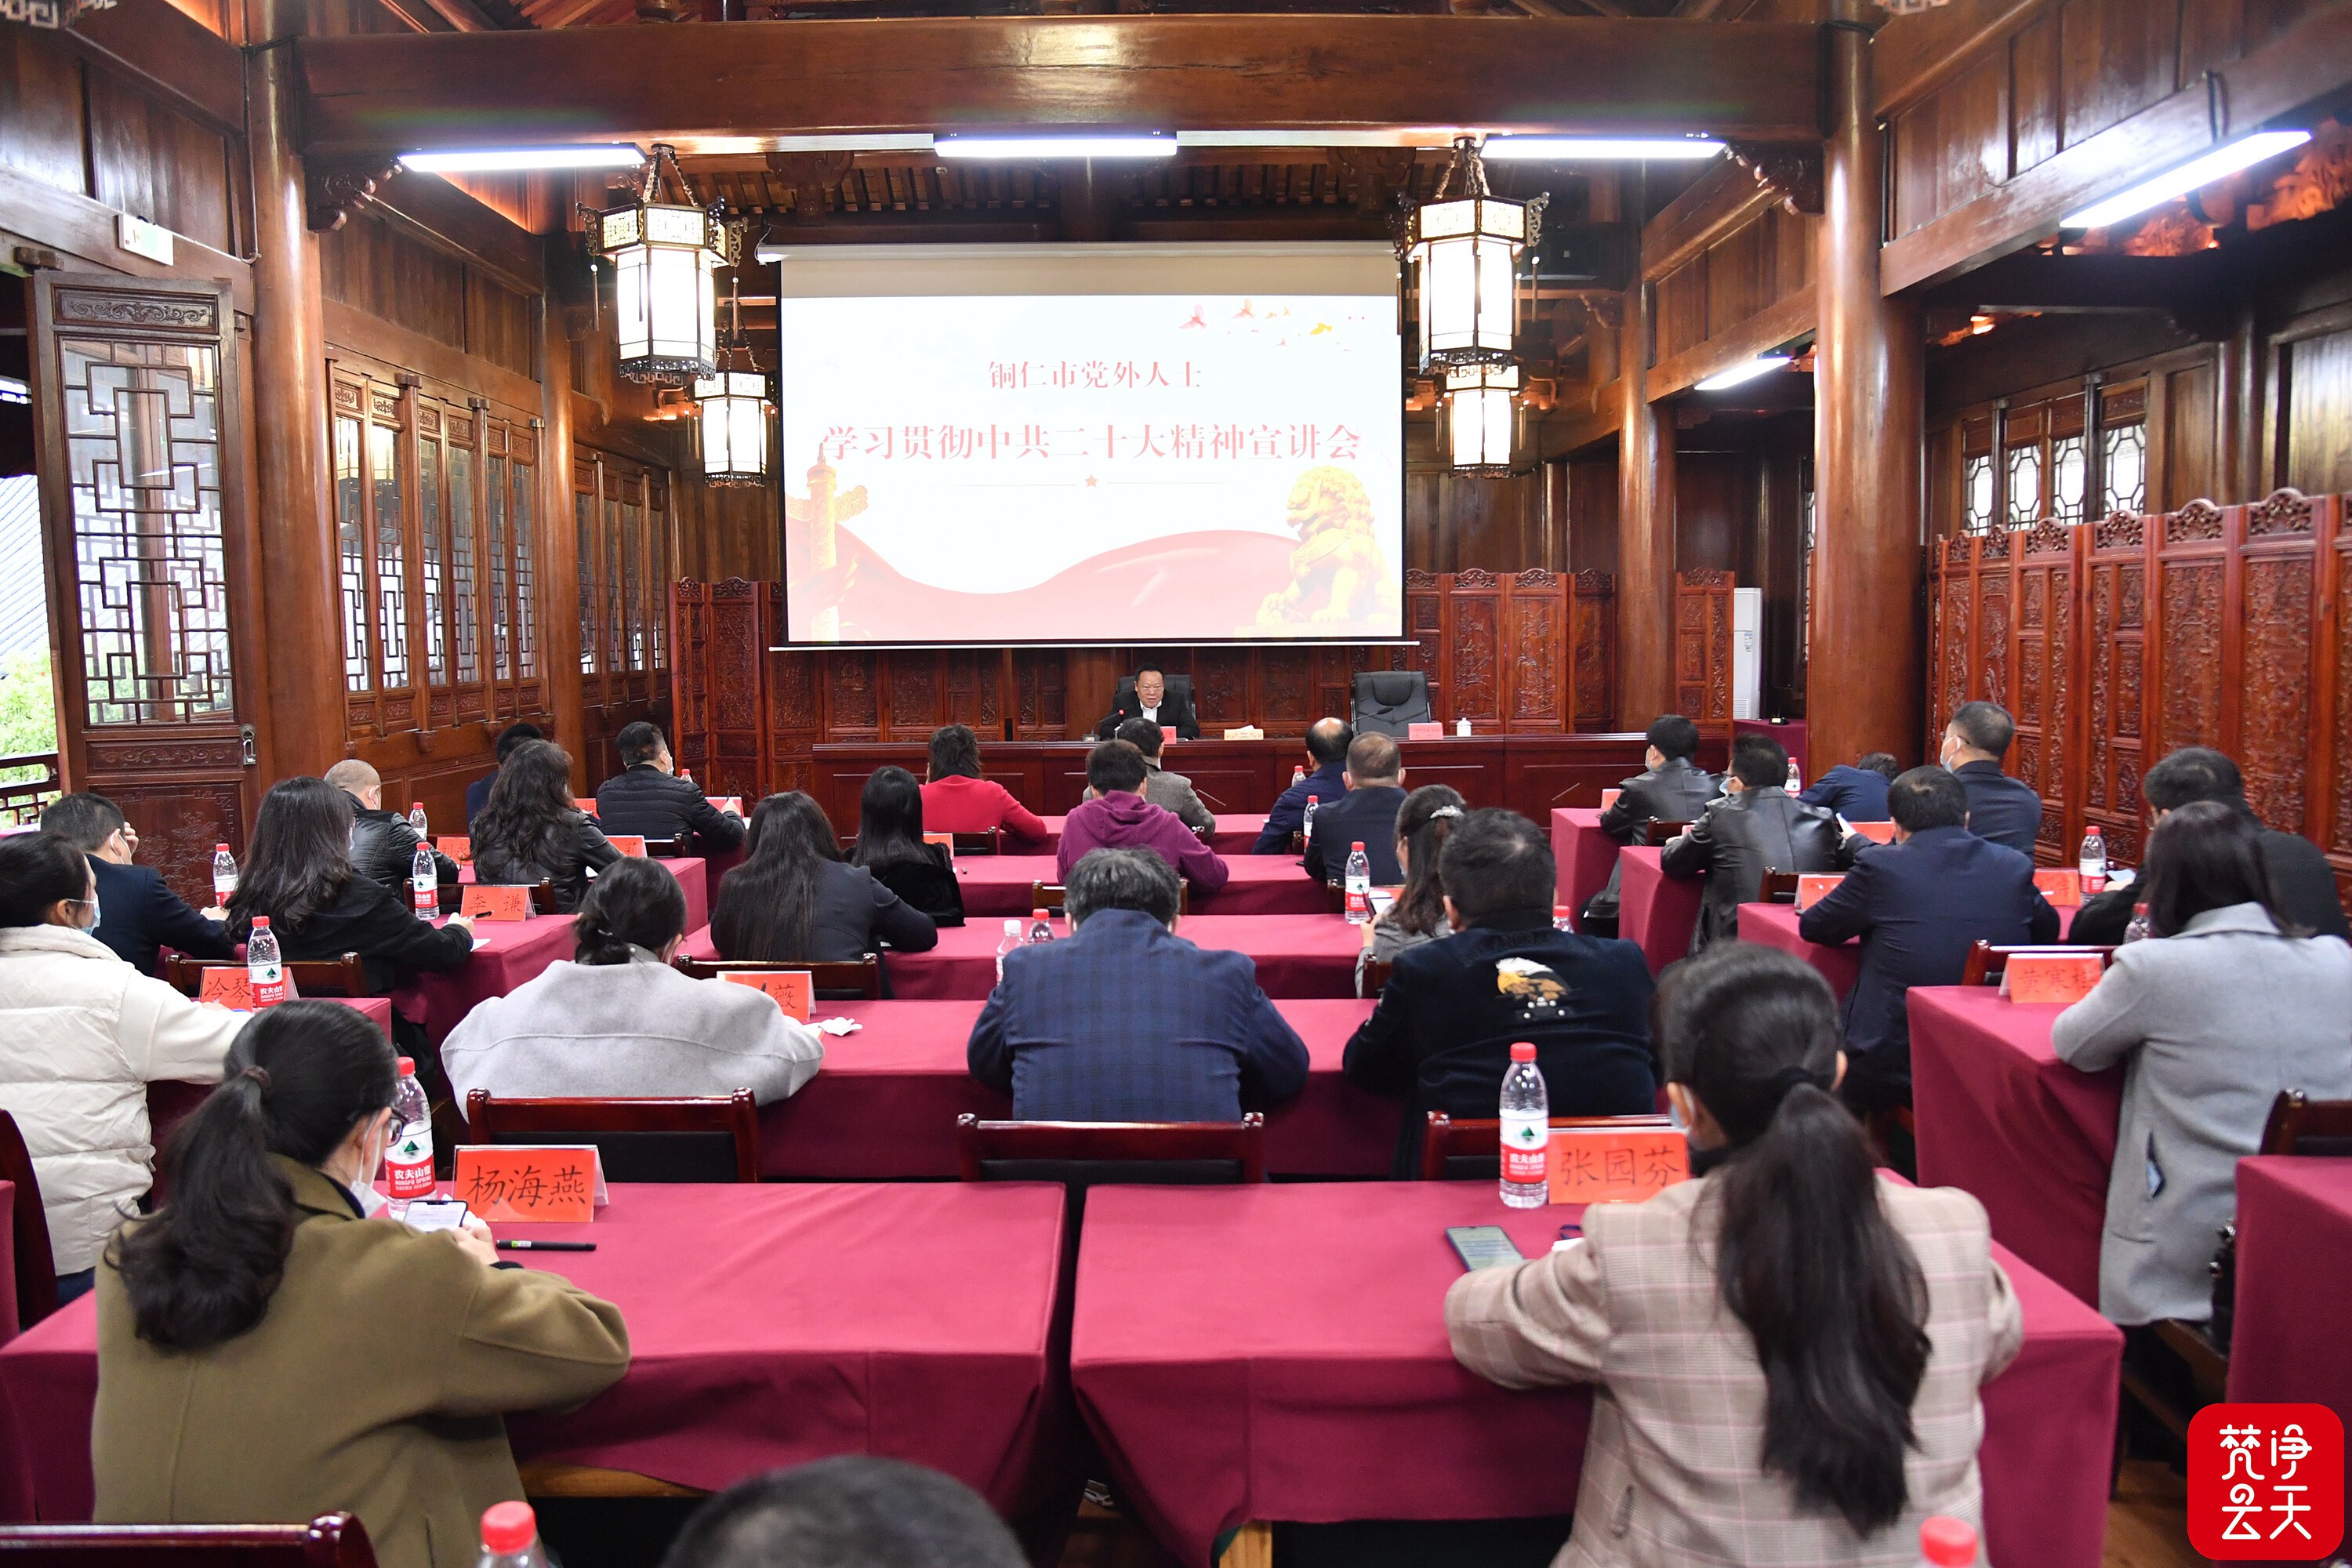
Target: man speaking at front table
1153 701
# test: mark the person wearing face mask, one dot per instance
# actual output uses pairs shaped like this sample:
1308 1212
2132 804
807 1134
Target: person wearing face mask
2002 809
81 1036
137 913
267 1351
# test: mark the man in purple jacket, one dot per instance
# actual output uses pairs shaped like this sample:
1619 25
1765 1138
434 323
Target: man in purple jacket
1119 817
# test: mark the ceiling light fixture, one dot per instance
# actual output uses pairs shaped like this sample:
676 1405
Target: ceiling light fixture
1463 247
493 159
2226 159
1481 418
1080 144
731 407
1760 366
666 256
1579 148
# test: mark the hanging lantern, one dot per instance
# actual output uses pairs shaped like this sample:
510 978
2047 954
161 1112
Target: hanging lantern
1482 417
1464 246
731 411
666 257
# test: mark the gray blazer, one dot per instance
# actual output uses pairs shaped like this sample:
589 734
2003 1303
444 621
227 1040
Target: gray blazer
2210 1025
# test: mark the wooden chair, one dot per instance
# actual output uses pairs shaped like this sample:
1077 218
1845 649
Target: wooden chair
1186 1153
1376 975
1987 963
2301 1125
1777 887
343 976
667 848
835 980
329 1541
1052 896
1659 830
991 841
1472 1150
697 1139
37 1270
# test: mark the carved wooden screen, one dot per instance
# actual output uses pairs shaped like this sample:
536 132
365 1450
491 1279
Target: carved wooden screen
1703 645
2044 621
136 394
2114 691
625 536
1498 650
1593 652
715 682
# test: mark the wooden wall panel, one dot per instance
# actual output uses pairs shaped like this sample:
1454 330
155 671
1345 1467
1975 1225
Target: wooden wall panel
1703 645
2316 441
2044 638
160 164
41 108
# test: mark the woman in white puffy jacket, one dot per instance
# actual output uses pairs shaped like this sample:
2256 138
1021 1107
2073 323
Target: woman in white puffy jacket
81 1036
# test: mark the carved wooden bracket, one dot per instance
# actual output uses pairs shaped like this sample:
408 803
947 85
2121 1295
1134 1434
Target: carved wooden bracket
1379 174
1794 174
1607 310
811 176
333 191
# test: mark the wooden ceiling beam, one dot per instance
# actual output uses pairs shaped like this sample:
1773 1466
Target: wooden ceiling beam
1566 74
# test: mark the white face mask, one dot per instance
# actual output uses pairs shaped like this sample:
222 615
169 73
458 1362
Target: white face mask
372 1202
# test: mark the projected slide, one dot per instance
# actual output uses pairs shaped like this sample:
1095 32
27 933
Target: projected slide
1109 469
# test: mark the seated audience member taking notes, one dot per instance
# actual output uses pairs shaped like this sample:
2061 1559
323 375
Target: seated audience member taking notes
1442 1035
890 845
1423 825
795 899
137 915
1366 814
81 1036
1126 1021
853 1510
531 833
1858 793
2301 878
1919 905
1119 817
1671 787
618 1020
1151 702
383 847
478 793
263 1355
1789 1351
1757 826
956 799
2001 808
1172 792
646 799
1327 741
298 873
2214 1021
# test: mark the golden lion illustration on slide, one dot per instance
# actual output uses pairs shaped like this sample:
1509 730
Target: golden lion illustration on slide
1336 554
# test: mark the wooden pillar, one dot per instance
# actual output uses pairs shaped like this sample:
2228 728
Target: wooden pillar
2240 473
300 589
1645 530
559 578
1864 690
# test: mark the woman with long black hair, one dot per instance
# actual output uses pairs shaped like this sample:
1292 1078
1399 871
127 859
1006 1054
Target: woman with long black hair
531 833
264 1354
1788 1349
794 899
890 845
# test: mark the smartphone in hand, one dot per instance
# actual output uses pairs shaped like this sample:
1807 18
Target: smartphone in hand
436 1213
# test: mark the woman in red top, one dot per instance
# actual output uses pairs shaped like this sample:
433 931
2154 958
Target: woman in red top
956 799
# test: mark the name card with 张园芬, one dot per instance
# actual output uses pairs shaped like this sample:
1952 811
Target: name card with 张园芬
2063 886
456 846
1813 887
633 844
1616 1164
2061 977
496 903
794 989
543 1183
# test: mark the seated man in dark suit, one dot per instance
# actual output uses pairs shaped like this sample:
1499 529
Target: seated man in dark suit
1442 1035
1366 814
478 793
383 847
1918 904
2303 886
137 914
1150 699
1671 787
2001 808
1327 741
1126 1021
1858 793
647 798
1757 826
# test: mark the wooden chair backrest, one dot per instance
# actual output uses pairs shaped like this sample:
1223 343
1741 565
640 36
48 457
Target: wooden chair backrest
37 1272
834 979
342 977
2301 1125
1659 830
1987 963
991 841
1054 897
1447 1142
646 1140
1376 975
981 1145
329 1541
1777 887
667 848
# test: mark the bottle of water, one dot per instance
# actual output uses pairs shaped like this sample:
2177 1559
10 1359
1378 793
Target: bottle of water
1041 927
1947 1544
265 976
1795 779
1297 775
2093 861
416 819
1562 918
1359 884
511 1538
1308 828
2139 930
408 1157
1012 940
224 874
1527 1130
424 884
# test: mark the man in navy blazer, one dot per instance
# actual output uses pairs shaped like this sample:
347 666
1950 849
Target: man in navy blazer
1858 793
137 914
2001 808
1918 904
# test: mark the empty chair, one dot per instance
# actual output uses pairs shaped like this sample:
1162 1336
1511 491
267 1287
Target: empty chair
1083 1154
855 980
343 976
28 1229
2298 1125
1388 702
698 1139
1470 1149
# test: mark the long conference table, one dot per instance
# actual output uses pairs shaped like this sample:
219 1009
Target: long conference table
995 886
2294 1255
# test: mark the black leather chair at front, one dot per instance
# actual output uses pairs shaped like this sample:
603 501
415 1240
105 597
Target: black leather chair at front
1389 700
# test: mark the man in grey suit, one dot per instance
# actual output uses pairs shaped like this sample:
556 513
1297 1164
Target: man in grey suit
1169 792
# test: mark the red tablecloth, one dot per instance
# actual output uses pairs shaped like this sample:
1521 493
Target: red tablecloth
1657 911
168 1102
1296 955
1584 856
1234 835
997 885
1775 925
904 1071
1279 1352
9 1309
507 953
768 1326
2295 1273
692 880
1999 1114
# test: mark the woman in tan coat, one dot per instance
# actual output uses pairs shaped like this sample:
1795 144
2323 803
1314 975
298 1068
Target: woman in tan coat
267 1353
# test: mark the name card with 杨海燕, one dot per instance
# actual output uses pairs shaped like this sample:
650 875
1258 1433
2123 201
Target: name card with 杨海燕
552 1183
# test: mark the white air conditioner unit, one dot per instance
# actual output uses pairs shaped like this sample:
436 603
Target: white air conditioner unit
1747 652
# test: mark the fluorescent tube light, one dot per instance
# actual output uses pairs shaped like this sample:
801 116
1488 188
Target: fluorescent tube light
1105 144
1576 149
2226 159
499 158
1739 372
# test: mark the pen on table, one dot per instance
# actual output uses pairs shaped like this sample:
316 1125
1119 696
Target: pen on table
547 1247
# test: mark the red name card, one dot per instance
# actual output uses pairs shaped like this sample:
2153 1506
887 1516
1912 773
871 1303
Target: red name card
1167 733
456 848
945 841
496 903
1608 797
627 843
2060 884
733 803
1876 832
1424 731
546 1184
794 989
584 802
1616 1164
231 985
2063 977
1813 887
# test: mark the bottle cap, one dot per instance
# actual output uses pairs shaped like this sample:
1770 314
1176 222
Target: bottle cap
508 1528
261 922
1947 1542
408 1067
220 849
1359 844
1014 924
1040 915
1523 1051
